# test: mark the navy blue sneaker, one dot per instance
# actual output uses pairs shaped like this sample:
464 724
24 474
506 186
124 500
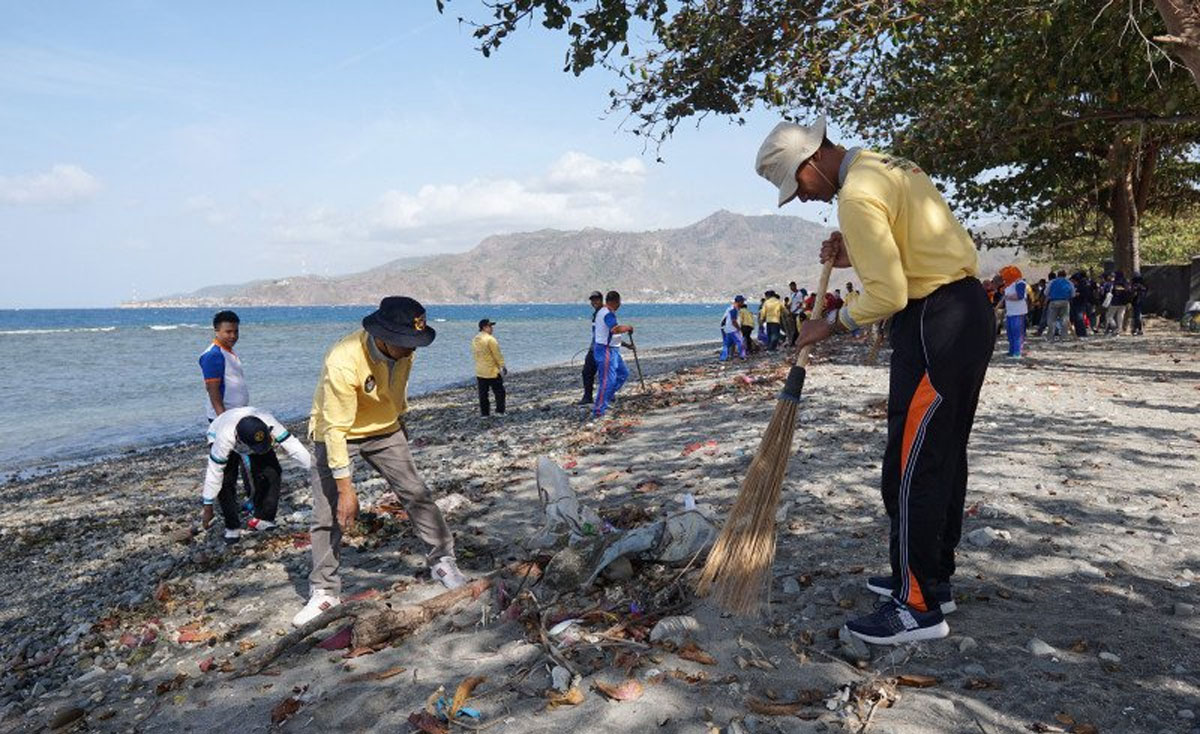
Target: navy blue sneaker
944 592
892 623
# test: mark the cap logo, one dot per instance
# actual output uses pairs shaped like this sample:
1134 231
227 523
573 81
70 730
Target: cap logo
419 322
259 436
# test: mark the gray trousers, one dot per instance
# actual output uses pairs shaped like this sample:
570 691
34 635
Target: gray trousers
1056 319
388 455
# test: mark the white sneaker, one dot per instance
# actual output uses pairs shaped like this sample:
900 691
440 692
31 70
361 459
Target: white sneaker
319 602
232 536
446 571
258 525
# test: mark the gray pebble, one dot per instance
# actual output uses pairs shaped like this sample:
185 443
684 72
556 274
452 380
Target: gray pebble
966 644
1040 649
1183 609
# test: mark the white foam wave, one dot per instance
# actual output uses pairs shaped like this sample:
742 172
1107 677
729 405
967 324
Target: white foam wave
173 327
80 330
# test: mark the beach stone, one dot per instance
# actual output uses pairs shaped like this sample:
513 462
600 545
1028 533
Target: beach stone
1083 568
791 586
966 644
676 629
1187 714
852 648
1109 657
67 716
975 670
1040 649
1183 609
619 570
182 536
566 570
982 537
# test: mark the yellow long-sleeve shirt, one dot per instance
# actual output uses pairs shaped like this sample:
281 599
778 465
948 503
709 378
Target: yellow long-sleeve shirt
486 351
772 311
745 318
361 393
902 238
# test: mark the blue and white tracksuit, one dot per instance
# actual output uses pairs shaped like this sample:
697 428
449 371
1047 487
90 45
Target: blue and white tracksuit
610 368
1015 310
731 335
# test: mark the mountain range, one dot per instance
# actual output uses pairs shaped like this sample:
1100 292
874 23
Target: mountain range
708 261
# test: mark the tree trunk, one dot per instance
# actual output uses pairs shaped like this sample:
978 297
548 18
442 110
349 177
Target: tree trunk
1126 229
1182 18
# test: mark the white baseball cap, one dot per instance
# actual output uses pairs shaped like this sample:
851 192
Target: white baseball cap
784 150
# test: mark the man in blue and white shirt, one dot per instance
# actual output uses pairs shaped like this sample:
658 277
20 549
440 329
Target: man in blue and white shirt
254 433
610 368
222 369
731 331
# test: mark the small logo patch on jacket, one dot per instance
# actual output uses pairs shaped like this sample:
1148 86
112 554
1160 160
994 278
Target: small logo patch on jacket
369 385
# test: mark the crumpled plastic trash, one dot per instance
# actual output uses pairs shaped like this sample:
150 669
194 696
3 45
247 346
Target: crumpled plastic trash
674 539
564 512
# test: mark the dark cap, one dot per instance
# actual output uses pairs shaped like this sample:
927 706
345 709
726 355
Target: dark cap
739 299
485 322
400 321
596 294
254 434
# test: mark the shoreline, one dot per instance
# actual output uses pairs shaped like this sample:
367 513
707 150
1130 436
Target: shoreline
297 424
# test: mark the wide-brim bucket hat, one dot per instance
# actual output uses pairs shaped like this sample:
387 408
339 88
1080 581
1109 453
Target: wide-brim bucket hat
400 321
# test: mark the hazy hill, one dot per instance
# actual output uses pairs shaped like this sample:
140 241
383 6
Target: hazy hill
711 260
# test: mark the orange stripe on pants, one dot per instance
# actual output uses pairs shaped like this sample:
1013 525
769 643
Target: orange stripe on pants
923 401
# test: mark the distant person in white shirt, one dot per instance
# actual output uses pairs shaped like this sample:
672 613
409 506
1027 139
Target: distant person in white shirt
255 433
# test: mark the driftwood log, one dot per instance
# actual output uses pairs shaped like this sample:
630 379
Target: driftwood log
375 623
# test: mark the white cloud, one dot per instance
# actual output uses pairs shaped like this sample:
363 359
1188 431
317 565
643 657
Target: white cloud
62 184
575 191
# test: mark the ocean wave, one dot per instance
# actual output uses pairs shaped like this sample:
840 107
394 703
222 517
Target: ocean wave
173 327
76 330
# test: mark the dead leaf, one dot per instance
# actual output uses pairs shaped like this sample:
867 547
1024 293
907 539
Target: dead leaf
980 684
786 708
1085 729
692 652
573 697
161 592
1064 718
284 709
378 675
698 677
628 690
463 692
647 485
246 645
915 680
173 684
1079 646
339 640
426 722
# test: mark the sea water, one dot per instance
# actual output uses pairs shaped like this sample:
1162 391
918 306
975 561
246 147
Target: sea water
82 383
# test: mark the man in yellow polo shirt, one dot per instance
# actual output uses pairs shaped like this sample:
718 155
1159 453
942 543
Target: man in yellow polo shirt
772 316
489 368
360 399
919 266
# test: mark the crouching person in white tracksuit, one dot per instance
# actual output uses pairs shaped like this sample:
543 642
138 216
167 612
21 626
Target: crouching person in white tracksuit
254 433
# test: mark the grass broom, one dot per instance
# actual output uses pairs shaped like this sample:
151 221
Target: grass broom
738 569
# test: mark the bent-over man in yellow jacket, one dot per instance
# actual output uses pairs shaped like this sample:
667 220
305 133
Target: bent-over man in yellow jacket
917 265
489 368
357 409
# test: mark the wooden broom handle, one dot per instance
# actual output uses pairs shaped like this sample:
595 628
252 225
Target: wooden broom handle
818 309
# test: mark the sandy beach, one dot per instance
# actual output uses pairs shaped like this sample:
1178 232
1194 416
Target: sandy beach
1077 581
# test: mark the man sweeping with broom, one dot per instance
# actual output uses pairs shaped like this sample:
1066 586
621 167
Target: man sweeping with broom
917 265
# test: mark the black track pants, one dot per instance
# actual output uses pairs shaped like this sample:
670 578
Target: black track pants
941 346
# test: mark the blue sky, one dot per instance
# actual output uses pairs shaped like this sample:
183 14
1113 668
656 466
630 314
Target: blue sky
149 148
